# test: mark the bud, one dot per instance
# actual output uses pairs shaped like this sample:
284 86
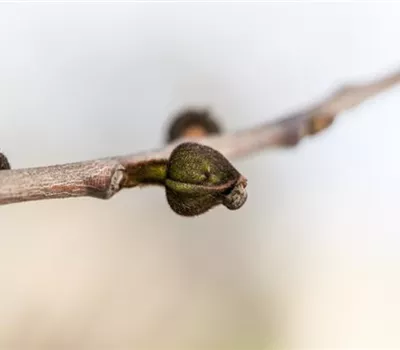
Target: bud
4 164
193 123
199 178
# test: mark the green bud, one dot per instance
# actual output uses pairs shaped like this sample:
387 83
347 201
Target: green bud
199 178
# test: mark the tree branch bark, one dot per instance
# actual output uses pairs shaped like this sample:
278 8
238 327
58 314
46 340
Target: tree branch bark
103 178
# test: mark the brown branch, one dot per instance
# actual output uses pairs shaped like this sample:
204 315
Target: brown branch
104 177
99 178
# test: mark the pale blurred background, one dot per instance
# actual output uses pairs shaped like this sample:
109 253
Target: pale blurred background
313 258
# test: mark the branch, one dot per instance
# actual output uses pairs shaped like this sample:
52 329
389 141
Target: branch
103 178
288 130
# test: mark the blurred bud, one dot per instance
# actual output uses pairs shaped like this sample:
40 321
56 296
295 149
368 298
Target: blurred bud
192 123
199 178
4 164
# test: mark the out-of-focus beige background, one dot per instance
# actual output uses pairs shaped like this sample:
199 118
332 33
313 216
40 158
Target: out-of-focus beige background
313 258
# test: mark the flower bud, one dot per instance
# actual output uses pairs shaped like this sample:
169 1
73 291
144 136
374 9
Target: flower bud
199 178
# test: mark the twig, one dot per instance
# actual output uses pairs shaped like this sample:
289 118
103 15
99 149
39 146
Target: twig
103 178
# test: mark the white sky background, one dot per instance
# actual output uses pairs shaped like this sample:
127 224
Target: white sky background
316 249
